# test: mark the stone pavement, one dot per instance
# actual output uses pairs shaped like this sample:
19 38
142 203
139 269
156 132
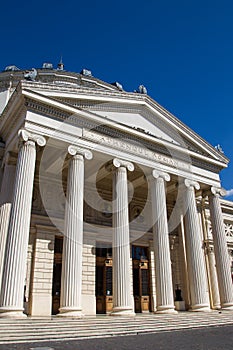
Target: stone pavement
53 329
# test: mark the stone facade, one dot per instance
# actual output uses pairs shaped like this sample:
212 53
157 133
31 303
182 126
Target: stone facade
108 204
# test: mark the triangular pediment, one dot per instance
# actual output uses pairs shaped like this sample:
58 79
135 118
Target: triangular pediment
150 120
135 116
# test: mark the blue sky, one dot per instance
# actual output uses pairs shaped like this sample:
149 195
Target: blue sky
182 51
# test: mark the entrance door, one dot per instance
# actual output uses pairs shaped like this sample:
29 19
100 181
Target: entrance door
104 300
57 266
141 288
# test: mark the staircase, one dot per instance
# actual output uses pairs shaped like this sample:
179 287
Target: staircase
57 328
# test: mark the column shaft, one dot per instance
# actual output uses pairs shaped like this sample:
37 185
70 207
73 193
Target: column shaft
195 256
71 285
122 300
165 298
5 209
11 298
221 254
71 279
213 279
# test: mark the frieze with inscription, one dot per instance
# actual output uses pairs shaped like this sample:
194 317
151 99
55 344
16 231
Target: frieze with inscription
134 149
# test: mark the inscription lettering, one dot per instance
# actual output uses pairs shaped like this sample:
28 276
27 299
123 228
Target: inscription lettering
142 151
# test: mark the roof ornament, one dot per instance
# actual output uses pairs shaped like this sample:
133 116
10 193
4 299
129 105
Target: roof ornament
219 148
11 68
86 72
60 65
31 75
47 65
118 85
142 89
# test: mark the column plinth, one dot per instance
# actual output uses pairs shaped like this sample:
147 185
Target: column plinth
71 279
165 298
122 299
14 270
195 256
220 248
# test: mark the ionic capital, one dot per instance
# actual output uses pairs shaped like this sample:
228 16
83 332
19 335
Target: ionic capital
157 174
75 150
123 163
218 191
25 136
190 183
214 191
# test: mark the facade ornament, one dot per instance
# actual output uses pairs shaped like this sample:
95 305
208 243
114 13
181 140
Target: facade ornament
25 136
119 163
74 150
118 85
219 148
86 72
218 191
31 75
60 65
190 183
156 174
142 89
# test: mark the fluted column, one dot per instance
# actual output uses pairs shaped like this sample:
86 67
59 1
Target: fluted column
6 196
165 298
220 247
122 300
195 257
14 270
213 278
71 279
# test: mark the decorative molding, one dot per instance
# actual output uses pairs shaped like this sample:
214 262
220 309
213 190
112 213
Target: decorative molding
122 163
218 191
75 150
190 183
229 229
157 174
24 135
134 149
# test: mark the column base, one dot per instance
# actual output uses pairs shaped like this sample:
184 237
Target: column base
167 309
122 311
200 308
70 312
180 305
8 312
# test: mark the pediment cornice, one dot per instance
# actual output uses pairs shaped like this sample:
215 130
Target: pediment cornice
60 110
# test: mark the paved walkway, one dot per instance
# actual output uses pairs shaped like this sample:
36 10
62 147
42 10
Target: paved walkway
57 328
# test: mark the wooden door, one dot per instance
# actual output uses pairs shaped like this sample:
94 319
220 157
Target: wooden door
104 299
57 267
141 284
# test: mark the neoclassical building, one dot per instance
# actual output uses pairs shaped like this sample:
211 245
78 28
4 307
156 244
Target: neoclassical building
109 204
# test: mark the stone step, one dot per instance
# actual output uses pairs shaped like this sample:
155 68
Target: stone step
34 330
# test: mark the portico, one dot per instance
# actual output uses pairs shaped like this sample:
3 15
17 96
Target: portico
105 205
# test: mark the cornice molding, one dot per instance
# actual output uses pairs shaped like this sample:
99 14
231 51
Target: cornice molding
86 119
110 93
